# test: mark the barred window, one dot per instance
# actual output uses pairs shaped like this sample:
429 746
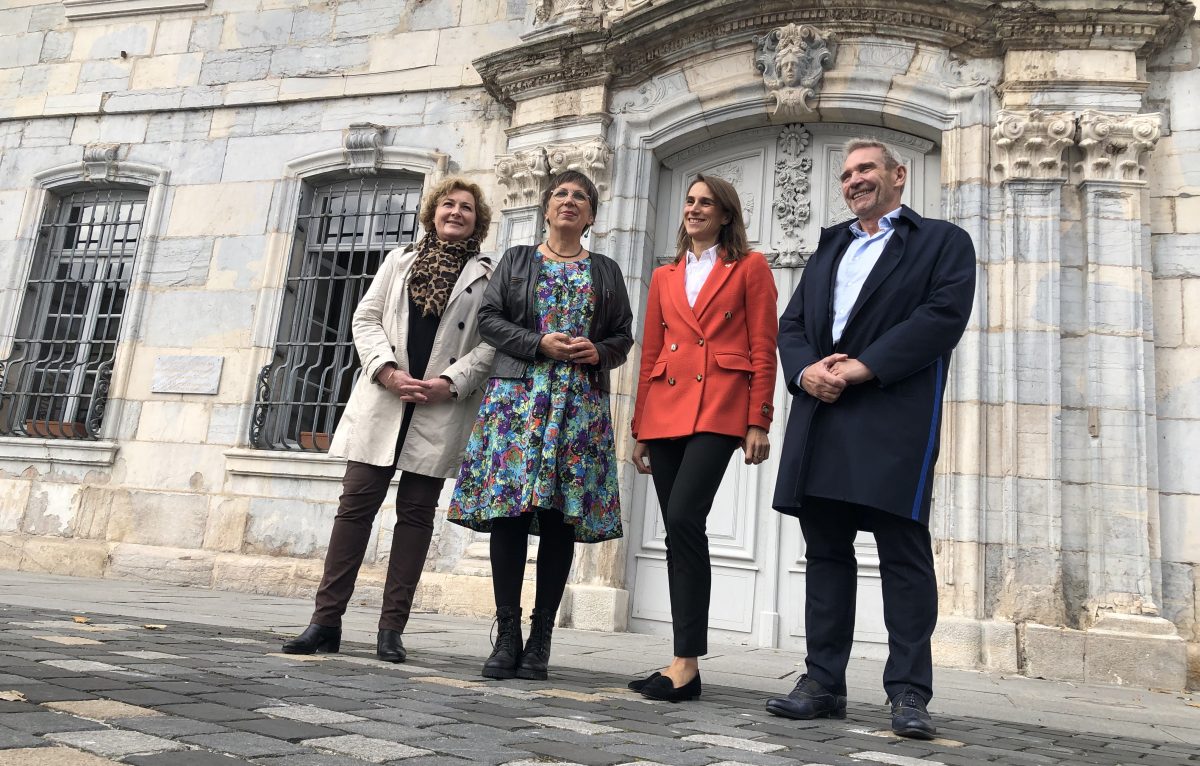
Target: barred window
55 381
343 232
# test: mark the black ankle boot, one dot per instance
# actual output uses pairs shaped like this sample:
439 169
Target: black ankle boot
315 638
389 647
536 656
507 646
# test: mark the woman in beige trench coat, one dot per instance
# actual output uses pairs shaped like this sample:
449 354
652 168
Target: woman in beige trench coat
412 408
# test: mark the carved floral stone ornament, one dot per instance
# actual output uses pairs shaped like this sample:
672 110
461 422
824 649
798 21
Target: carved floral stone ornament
1113 144
361 144
523 175
793 60
100 162
1030 145
793 200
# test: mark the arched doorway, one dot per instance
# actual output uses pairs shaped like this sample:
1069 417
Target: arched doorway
787 177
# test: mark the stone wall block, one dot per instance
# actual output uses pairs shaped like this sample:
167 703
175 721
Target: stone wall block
61 556
262 158
253 574
403 51
215 210
57 46
164 466
12 549
1190 289
221 67
107 42
226 525
593 607
359 18
957 642
173 36
1056 654
21 50
1177 255
198 319
1179 442
1170 312
41 133
166 71
1135 651
313 60
111 129
278 527
173 566
165 519
51 509
14 497
311 24
181 261
47 16
259 28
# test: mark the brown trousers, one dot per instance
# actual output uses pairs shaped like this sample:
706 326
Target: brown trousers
364 488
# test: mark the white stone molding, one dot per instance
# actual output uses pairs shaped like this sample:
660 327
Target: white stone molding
100 162
19 453
362 145
793 60
1030 145
78 10
650 95
793 187
1113 144
592 158
523 174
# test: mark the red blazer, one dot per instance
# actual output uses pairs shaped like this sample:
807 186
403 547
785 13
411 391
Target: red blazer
708 368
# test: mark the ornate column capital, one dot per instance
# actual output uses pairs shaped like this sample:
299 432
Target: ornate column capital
792 61
1030 145
593 158
361 144
523 174
1113 144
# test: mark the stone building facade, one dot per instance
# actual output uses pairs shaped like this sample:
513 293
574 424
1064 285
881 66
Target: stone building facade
193 193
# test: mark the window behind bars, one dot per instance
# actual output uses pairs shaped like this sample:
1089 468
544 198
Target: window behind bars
55 381
343 232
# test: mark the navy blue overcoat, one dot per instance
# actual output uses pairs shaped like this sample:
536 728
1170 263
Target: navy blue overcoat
878 443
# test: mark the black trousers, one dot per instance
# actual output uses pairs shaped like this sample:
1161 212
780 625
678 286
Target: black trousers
831 579
687 473
364 488
509 548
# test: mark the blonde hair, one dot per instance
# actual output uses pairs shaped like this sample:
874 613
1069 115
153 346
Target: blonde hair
483 211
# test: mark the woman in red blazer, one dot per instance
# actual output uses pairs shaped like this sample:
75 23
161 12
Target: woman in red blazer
705 388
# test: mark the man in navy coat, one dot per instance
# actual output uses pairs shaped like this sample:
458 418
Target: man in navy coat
865 346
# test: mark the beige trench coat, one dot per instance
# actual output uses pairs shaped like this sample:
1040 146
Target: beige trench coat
437 435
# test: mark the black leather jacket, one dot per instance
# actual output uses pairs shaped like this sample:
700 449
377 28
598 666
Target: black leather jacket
508 321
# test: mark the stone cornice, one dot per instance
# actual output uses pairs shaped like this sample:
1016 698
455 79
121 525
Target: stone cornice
630 46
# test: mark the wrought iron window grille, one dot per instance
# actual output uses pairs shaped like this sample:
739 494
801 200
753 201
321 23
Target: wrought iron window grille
343 232
55 382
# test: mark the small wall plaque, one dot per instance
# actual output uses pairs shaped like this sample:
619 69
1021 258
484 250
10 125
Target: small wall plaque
187 374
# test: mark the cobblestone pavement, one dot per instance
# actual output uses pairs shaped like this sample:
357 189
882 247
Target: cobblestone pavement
89 690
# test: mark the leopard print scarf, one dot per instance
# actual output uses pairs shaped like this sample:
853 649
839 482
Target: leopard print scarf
435 271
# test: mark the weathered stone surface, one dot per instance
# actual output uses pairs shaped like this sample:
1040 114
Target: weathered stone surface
177 566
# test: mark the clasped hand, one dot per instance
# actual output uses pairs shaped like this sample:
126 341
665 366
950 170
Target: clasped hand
415 390
828 378
564 348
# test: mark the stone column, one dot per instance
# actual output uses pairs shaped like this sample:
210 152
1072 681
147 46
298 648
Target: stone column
1108 414
1023 529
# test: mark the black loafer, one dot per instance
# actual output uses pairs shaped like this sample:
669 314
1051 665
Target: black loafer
910 718
663 688
389 647
807 701
639 684
315 638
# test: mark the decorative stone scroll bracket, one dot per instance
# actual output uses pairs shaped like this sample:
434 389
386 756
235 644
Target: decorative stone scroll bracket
1030 145
793 60
523 175
100 163
1113 144
592 158
362 143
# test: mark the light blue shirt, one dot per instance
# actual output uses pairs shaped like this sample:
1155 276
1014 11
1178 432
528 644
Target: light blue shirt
855 266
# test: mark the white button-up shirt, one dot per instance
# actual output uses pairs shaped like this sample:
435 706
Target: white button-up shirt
698 268
856 265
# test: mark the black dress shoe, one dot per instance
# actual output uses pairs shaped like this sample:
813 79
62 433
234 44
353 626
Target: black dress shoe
315 638
389 647
639 684
910 718
807 701
663 688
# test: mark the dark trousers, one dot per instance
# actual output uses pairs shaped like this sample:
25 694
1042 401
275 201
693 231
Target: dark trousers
910 601
509 548
687 473
364 488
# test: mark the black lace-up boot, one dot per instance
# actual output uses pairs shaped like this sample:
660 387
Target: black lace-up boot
506 648
536 656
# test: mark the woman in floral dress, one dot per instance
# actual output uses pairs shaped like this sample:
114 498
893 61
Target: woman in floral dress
540 459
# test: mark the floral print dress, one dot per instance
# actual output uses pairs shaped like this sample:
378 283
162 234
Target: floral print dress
545 441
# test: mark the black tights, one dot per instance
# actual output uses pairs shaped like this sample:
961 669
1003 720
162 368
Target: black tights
510 548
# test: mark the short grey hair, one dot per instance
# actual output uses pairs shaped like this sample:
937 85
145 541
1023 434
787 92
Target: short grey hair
890 160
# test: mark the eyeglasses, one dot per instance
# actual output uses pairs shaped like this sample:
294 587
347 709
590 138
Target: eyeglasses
562 194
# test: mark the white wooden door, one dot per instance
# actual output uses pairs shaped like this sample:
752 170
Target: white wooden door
787 178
